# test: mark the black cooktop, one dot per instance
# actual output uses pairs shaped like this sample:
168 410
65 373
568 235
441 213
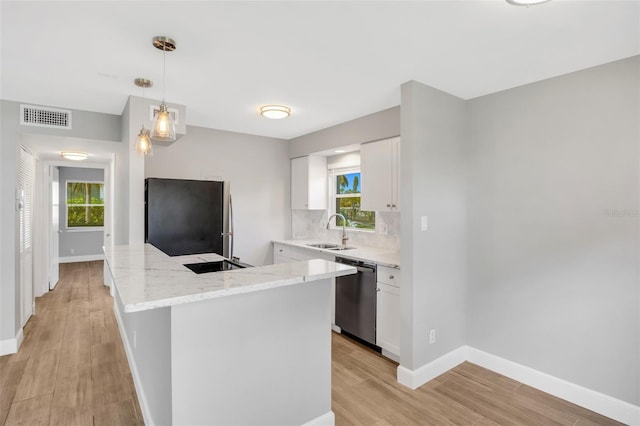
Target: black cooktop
217 266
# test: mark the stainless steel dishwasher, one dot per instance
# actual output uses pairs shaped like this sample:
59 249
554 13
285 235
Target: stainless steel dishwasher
356 299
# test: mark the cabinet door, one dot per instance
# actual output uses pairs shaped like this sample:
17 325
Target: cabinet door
300 183
309 183
388 318
376 167
395 174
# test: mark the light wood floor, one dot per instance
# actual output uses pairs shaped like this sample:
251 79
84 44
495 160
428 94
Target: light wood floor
365 392
72 370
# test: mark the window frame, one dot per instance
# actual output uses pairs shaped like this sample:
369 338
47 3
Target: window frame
334 171
66 210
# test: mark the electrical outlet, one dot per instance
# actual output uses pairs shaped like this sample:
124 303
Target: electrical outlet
135 339
384 229
423 223
432 336
72 251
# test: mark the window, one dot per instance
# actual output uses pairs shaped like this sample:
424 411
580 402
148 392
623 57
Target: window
346 195
85 204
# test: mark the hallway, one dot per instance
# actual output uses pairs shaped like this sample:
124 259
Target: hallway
71 368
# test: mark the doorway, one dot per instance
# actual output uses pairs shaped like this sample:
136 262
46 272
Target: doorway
25 202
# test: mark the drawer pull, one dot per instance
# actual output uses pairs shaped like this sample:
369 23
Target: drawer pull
391 277
378 289
281 250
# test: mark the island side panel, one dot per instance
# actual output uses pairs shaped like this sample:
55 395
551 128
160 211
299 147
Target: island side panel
256 358
149 355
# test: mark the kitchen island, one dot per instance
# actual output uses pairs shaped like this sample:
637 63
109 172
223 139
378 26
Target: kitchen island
247 346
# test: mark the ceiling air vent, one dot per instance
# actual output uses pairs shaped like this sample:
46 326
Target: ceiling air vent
45 117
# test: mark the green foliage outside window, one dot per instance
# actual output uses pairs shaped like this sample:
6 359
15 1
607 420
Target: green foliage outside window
348 203
85 204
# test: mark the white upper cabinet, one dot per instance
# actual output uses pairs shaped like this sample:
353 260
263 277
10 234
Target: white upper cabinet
309 183
380 170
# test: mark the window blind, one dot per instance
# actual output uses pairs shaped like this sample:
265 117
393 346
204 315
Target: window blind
26 180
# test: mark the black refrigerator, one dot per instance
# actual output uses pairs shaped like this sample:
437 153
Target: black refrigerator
187 216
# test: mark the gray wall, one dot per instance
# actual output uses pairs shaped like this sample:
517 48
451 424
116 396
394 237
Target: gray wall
554 227
9 229
261 358
151 352
83 242
86 126
380 125
434 262
258 169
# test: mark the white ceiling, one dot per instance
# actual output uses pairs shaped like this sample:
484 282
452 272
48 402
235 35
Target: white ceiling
329 61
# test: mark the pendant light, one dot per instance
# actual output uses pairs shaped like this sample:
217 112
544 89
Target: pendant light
164 129
143 143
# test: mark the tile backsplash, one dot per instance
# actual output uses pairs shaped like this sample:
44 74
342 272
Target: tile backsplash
311 224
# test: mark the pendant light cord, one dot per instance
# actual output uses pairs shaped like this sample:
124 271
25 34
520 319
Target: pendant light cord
164 71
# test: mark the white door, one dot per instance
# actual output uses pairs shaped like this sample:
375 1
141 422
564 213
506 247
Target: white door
54 260
108 209
26 179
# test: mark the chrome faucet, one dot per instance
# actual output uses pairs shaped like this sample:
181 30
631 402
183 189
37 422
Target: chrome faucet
344 223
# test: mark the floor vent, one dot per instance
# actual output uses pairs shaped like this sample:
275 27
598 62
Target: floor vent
45 117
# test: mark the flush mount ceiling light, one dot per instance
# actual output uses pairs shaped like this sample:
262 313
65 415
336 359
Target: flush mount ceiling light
143 143
164 129
75 156
275 112
526 2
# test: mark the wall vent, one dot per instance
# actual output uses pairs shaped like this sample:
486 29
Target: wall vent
45 117
155 109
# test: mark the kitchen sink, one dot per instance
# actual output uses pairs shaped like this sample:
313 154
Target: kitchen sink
324 246
341 248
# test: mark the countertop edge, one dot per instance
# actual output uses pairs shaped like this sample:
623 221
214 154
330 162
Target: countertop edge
216 294
302 243
249 279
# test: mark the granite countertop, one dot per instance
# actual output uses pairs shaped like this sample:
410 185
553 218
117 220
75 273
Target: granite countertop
146 278
368 254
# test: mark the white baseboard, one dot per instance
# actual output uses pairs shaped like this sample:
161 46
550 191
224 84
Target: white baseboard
11 346
415 378
391 355
144 406
327 419
595 401
85 258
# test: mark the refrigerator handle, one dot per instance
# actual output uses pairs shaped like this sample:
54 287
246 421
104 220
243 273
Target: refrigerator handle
230 233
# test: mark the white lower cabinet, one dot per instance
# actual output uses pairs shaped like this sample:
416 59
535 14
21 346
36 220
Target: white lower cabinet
283 254
388 311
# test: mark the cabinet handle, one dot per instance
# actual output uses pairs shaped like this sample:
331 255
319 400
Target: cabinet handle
281 250
391 277
388 205
393 205
378 289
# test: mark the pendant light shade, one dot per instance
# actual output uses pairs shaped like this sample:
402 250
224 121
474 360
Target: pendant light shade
164 129
143 143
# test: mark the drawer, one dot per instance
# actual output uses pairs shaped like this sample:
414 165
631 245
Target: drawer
390 276
283 253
